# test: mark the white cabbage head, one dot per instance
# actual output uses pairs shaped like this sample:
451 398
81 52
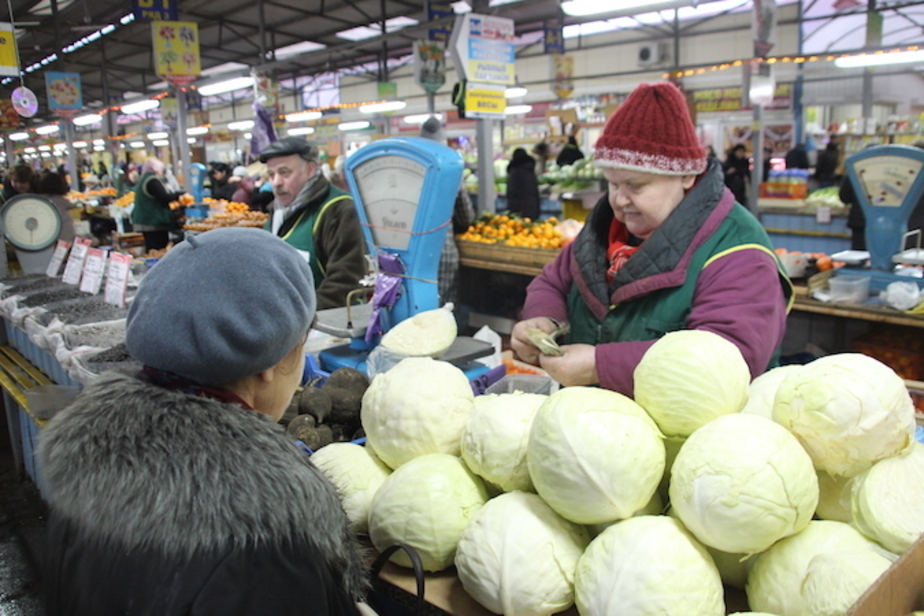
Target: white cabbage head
776 579
742 482
848 411
834 497
426 334
418 407
647 565
688 378
594 455
888 500
517 557
762 391
356 473
834 582
426 504
495 437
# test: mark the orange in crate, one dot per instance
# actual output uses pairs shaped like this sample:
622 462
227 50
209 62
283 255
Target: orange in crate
903 354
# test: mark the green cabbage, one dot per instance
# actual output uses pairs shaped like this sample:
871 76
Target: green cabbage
888 500
517 557
834 582
647 565
741 483
688 378
418 407
594 455
495 437
762 391
426 504
357 473
848 411
429 333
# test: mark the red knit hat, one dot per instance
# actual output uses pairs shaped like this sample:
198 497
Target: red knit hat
652 132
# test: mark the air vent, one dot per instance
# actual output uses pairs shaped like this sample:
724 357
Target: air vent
650 54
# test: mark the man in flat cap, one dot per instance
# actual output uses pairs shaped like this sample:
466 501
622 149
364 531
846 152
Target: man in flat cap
315 217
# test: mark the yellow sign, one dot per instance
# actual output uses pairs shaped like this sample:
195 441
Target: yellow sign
562 73
484 101
176 51
9 58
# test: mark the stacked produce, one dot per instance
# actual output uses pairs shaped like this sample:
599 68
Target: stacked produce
328 412
513 230
228 214
580 175
800 488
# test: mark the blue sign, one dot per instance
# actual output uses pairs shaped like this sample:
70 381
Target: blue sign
437 11
155 10
553 39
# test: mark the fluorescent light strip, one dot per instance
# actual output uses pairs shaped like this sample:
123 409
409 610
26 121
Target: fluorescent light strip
353 125
301 130
137 144
158 135
48 129
229 85
140 106
518 109
364 32
87 120
879 59
304 116
197 130
421 118
19 136
383 107
241 125
160 143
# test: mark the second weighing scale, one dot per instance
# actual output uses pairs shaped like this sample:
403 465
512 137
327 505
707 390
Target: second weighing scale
405 190
32 225
888 184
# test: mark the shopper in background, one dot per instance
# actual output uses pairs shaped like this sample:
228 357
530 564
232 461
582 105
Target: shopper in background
20 180
152 215
244 185
768 164
463 215
318 219
737 172
667 248
219 182
826 167
522 185
53 186
174 490
570 153
797 157
541 152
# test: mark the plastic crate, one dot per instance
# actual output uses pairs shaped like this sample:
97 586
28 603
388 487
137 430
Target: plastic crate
528 383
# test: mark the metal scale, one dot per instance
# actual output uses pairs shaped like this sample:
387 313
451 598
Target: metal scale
888 183
32 225
405 190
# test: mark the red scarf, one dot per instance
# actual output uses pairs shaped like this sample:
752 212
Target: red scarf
619 250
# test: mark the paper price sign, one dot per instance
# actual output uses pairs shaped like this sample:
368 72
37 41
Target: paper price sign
74 268
117 279
93 270
57 259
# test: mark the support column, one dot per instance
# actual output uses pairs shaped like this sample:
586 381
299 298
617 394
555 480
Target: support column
487 196
183 175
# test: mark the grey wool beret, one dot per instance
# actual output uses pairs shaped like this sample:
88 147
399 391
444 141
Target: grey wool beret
221 306
288 146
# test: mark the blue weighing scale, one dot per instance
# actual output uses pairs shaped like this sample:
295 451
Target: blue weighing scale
405 190
888 184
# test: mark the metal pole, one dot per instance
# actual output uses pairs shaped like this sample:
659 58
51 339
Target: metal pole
71 154
487 196
757 139
183 174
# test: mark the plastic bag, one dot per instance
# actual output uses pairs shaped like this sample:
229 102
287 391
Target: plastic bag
901 295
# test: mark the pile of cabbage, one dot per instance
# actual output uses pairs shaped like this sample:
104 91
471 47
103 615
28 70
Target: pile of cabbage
800 488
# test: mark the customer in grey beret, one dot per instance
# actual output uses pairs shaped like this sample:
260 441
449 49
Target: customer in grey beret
174 490
317 218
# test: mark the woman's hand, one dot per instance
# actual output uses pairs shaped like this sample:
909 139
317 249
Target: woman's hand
576 366
525 349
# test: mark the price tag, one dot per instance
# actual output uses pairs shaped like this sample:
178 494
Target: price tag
57 259
93 271
74 268
117 278
823 215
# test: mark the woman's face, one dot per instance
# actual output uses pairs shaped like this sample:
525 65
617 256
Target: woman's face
287 376
20 186
642 201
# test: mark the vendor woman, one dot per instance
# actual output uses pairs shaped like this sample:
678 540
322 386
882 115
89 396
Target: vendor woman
667 248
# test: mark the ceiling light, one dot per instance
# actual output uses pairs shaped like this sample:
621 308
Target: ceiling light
197 130
31 150
518 109
137 144
304 116
580 8
161 143
48 129
301 130
353 125
360 33
87 120
383 107
248 135
99 142
190 140
296 48
515 91
229 85
227 67
158 135
80 144
140 106
241 125
18 136
880 59
99 148
420 118
60 146
46 154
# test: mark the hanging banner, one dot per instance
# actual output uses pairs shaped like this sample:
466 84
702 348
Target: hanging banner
9 58
482 49
435 12
64 93
176 51
553 40
8 116
562 72
168 112
429 65
163 10
763 27
265 91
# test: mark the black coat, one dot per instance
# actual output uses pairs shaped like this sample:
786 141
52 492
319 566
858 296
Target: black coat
523 187
164 503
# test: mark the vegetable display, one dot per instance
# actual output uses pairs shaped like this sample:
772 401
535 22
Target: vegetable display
357 474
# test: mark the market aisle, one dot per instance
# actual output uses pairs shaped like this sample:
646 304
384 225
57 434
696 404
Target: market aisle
22 540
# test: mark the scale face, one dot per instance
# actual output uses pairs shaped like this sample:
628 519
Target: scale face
30 222
886 180
389 189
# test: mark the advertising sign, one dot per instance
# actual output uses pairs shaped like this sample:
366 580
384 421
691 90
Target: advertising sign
9 57
176 51
435 12
64 94
553 39
482 48
159 10
484 100
430 65
562 73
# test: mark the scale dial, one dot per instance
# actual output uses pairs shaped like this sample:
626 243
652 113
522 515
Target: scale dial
886 180
389 188
30 222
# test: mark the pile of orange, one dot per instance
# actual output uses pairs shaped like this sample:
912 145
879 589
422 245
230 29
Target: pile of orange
512 230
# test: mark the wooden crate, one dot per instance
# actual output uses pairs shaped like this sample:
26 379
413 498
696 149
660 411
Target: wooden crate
501 258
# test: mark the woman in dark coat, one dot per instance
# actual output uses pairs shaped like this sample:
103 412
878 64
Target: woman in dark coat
522 185
737 169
